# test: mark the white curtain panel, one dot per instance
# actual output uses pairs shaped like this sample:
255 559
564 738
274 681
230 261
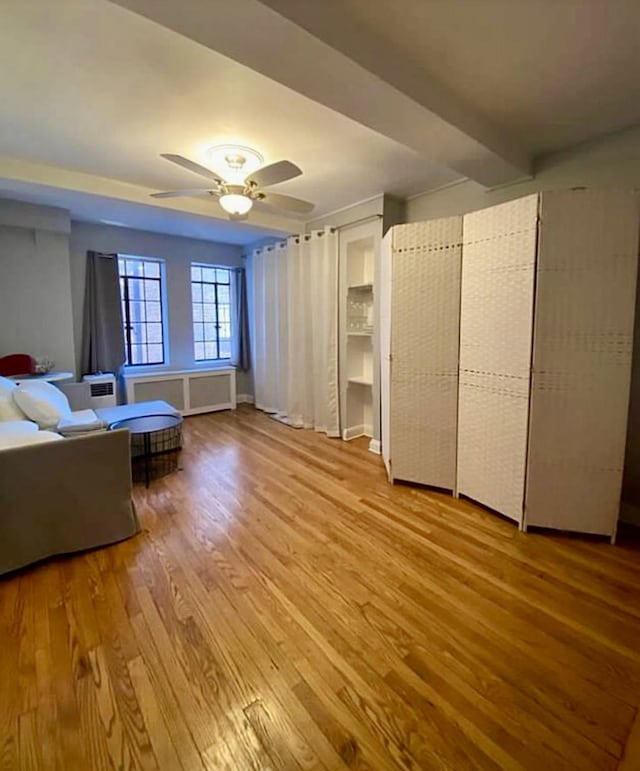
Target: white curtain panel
295 330
263 330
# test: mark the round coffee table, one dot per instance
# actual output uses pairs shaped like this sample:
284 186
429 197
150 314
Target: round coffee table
147 426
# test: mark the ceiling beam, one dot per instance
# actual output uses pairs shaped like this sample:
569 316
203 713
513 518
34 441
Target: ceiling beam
24 175
314 49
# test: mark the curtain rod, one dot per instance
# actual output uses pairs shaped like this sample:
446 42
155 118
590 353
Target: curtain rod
320 231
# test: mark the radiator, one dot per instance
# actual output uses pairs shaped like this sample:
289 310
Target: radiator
190 391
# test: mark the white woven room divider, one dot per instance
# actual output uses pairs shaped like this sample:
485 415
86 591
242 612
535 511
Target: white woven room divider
586 286
424 318
498 270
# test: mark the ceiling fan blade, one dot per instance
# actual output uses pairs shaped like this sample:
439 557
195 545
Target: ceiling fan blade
274 173
286 202
196 168
182 193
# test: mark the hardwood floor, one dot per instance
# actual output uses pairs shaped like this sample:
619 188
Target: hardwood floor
285 608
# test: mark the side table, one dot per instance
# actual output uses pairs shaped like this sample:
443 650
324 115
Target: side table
146 427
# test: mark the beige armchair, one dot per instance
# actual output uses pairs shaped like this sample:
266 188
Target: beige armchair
65 496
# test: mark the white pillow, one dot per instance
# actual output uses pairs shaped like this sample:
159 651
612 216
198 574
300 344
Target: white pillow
9 410
21 439
42 402
18 426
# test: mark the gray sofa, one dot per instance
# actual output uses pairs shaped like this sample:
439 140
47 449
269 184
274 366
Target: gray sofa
64 496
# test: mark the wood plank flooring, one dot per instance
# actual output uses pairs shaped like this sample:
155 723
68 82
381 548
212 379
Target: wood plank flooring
286 608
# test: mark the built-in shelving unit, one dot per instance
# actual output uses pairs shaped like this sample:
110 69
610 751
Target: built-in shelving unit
359 379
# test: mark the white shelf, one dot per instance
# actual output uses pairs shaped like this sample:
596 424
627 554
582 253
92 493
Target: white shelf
358 333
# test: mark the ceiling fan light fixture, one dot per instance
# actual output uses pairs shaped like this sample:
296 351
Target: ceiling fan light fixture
234 162
234 203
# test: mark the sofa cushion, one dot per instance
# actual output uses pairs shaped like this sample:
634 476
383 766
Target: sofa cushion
80 422
111 415
9 440
42 402
18 426
9 410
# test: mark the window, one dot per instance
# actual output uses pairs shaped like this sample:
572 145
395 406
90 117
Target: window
141 294
211 300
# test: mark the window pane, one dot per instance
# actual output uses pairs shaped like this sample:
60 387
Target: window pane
223 276
134 267
138 334
225 330
137 354
210 351
151 269
152 290
136 289
136 311
224 314
154 354
223 294
121 267
199 351
196 293
225 349
198 315
208 293
198 332
154 333
209 274
196 273
210 313
154 312
209 332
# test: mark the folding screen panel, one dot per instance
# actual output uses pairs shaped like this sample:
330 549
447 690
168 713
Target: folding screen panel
586 283
424 318
384 294
498 268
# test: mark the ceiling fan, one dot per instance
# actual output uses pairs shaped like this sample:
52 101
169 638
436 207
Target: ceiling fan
236 191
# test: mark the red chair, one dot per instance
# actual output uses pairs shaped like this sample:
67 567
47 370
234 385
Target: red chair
17 364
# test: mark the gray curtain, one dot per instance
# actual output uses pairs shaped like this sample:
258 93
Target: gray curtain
240 354
102 336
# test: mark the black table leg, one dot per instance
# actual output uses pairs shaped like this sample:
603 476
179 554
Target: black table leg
147 457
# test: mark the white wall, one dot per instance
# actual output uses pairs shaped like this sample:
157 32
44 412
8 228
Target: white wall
610 162
359 211
178 254
35 283
27 215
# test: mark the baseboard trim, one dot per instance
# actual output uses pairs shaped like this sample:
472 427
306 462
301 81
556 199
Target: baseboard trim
354 432
244 398
375 447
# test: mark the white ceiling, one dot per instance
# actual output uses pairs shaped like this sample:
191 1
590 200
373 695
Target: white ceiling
552 73
92 93
91 87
